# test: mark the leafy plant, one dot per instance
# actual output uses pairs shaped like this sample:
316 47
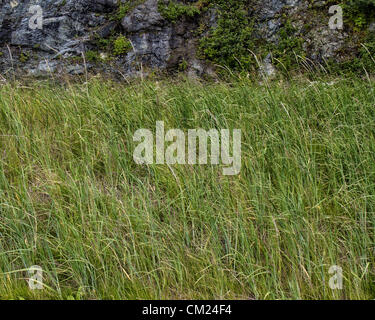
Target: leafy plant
92 56
121 45
124 8
172 11
360 12
230 42
288 47
24 57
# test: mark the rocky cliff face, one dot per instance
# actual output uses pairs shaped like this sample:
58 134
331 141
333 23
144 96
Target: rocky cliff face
124 38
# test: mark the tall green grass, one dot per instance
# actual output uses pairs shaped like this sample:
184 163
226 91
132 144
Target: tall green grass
73 201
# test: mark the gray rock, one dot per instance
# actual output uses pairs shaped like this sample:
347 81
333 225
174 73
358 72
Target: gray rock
71 27
267 68
144 17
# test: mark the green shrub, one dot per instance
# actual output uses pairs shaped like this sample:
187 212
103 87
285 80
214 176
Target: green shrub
121 45
173 11
92 56
183 65
366 54
24 57
359 12
288 47
122 11
124 8
230 42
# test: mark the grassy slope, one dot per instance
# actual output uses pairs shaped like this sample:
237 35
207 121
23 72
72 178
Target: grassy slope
73 201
